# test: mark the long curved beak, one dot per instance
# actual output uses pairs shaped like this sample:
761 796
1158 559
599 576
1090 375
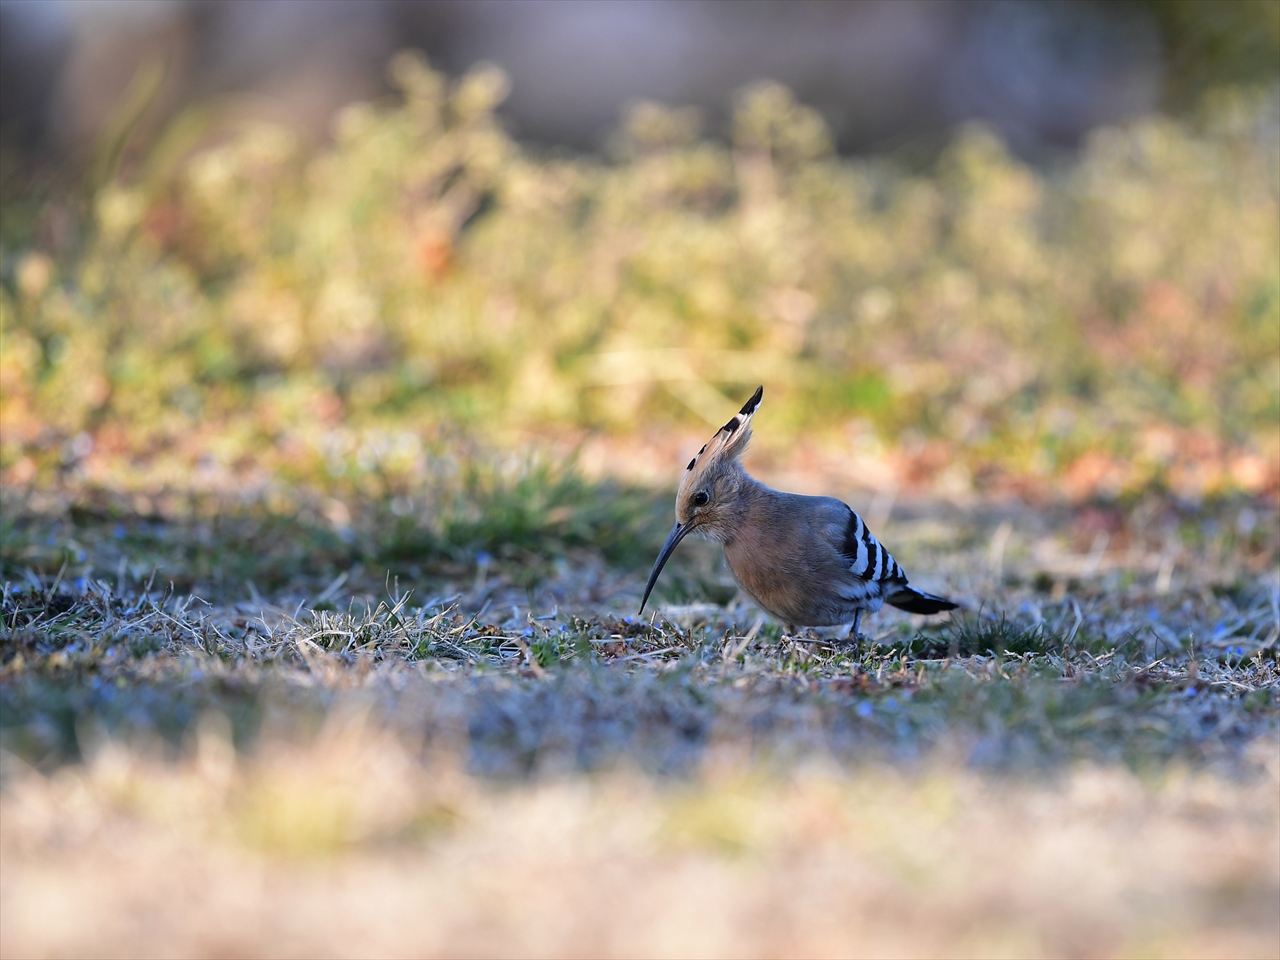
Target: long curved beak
678 533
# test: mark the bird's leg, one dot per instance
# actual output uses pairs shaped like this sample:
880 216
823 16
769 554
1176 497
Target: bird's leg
854 636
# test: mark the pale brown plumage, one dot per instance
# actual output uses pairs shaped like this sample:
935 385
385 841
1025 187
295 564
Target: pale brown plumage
806 561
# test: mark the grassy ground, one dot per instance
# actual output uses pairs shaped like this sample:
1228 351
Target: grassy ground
298 657
506 760
1119 650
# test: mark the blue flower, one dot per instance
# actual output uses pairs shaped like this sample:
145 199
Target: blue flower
864 709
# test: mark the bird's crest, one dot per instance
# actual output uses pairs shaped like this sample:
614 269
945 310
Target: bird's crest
729 442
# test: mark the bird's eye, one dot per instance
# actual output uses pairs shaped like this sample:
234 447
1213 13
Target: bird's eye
700 498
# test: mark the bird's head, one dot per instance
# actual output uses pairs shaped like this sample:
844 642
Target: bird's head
713 482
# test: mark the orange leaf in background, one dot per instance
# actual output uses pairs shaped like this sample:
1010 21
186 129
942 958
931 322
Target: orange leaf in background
1168 303
1254 473
435 254
21 473
329 408
162 222
1093 473
918 468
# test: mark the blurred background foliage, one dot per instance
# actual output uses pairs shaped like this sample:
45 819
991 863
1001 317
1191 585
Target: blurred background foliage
235 300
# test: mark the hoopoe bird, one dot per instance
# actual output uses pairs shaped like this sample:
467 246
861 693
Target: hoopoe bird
805 561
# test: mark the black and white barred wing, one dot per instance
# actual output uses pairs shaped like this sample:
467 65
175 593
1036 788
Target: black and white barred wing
868 559
879 576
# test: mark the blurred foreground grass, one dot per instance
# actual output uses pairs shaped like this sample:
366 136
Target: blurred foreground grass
351 845
281 611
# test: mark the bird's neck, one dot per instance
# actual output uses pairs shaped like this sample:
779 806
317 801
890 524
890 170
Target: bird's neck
747 496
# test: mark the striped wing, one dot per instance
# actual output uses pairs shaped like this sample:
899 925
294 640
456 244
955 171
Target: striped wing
868 559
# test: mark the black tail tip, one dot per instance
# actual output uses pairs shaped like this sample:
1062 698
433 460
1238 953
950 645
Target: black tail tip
749 407
913 601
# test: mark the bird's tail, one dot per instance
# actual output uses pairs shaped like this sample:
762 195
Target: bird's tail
913 601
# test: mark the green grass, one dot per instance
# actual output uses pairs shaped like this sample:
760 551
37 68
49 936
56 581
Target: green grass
524 514
534 644
246 305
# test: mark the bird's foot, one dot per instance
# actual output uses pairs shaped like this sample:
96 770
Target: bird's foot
854 636
806 636
850 640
